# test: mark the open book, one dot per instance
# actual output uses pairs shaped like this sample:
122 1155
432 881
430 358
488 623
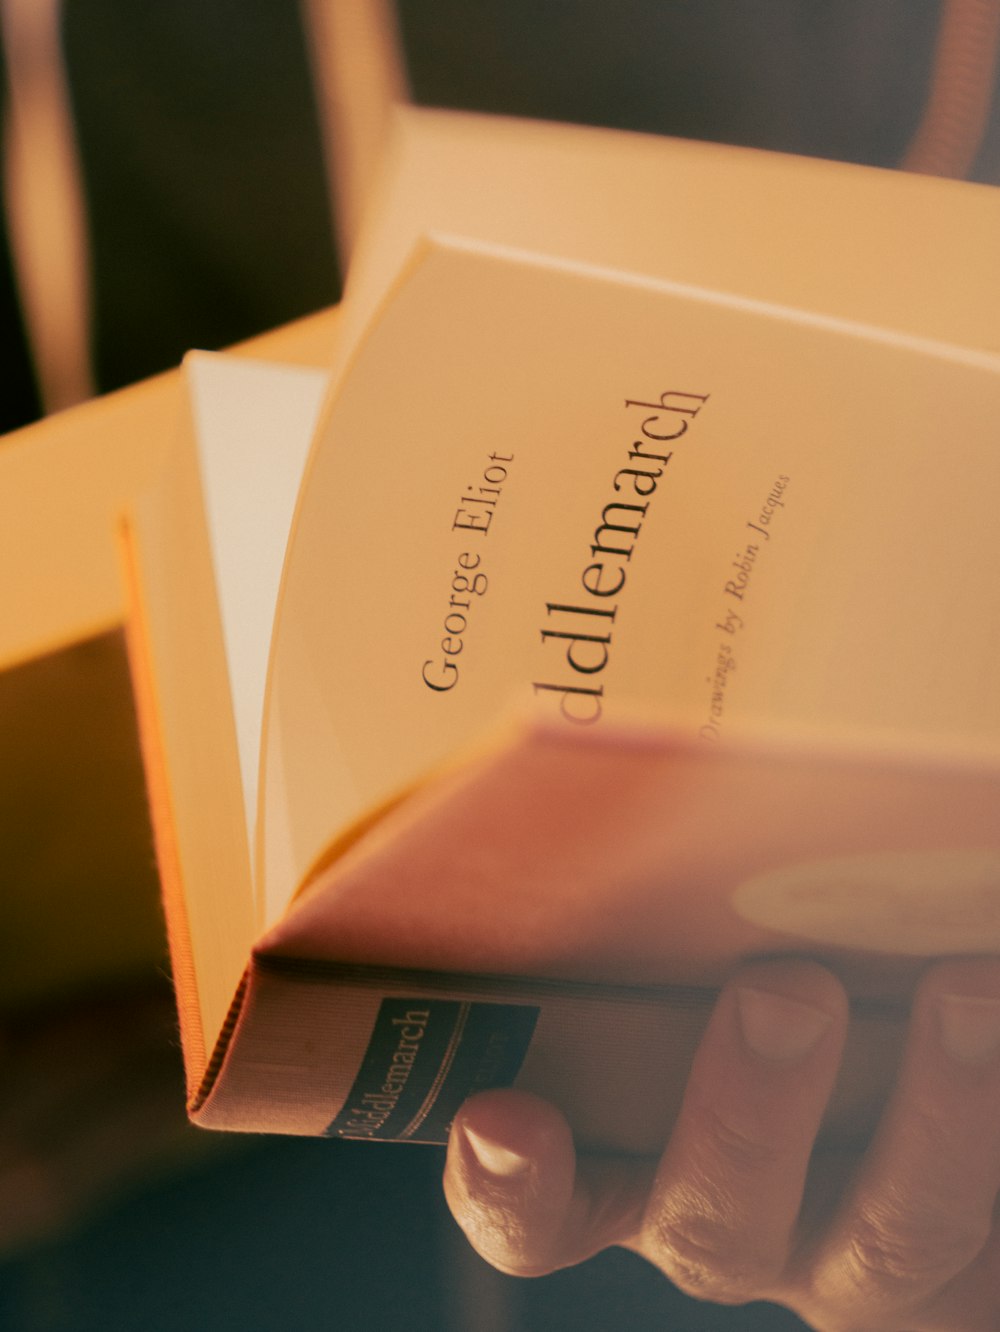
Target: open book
638 615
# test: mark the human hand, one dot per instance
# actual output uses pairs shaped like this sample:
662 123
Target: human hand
900 1239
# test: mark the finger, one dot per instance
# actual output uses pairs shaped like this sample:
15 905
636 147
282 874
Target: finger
512 1184
723 1210
921 1209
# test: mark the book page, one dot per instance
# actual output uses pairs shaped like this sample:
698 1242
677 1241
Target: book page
765 225
253 422
545 485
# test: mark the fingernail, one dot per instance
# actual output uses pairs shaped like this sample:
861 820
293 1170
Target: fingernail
778 1028
492 1157
970 1027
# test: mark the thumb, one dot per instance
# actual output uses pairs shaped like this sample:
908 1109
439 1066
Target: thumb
513 1185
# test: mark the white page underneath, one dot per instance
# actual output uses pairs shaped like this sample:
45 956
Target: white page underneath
254 423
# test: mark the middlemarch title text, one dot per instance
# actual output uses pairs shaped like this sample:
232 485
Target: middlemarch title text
578 637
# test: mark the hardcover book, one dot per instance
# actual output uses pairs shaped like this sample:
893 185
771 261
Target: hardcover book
619 605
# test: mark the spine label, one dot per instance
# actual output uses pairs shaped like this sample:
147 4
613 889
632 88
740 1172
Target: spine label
424 1057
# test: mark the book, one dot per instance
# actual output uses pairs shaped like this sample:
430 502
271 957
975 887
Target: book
630 613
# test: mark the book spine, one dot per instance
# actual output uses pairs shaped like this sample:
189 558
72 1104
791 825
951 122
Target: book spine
384 1055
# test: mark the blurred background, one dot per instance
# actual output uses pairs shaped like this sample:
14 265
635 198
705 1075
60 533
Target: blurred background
187 175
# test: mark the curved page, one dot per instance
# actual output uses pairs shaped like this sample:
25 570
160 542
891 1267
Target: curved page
549 486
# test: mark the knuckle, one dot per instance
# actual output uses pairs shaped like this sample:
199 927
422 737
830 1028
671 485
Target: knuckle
709 1257
736 1150
507 1231
891 1253
492 1226
500 1240
705 1239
